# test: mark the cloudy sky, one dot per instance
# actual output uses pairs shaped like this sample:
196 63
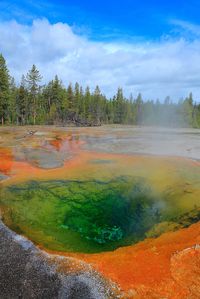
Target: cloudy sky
152 47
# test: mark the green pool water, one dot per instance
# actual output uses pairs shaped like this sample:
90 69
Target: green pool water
91 215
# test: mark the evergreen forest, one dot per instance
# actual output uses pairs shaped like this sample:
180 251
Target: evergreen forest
31 103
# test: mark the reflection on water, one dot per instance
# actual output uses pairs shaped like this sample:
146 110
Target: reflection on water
85 190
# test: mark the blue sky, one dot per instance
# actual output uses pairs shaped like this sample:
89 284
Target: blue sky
108 20
145 46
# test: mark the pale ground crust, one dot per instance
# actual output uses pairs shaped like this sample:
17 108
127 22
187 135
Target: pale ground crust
27 272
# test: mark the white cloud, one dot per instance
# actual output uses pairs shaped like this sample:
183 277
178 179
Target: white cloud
169 67
186 28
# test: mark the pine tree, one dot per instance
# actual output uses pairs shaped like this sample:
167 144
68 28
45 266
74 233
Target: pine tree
81 105
77 100
97 106
187 111
56 98
12 115
118 106
139 109
33 77
87 102
21 102
4 90
71 104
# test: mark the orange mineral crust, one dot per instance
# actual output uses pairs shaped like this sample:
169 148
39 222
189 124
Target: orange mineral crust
166 267
66 143
6 159
160 171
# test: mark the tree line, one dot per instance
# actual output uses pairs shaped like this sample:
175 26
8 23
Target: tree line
31 103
